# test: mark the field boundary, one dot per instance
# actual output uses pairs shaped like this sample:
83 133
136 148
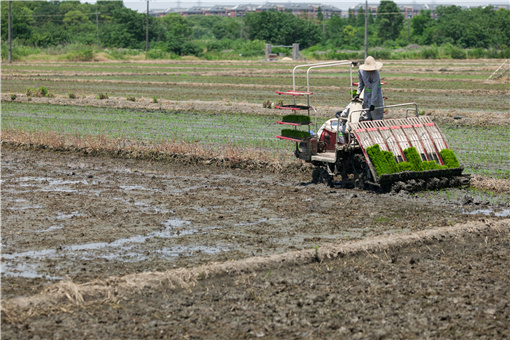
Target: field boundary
115 288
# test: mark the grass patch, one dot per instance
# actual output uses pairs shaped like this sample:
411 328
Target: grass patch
102 95
38 92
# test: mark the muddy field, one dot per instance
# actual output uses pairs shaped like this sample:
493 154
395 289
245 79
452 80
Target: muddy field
69 216
107 247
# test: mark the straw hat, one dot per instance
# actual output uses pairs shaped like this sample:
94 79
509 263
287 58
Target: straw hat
371 65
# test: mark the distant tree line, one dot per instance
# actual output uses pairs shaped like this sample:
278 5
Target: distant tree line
111 25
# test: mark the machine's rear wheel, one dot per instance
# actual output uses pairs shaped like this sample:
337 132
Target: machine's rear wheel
321 175
354 171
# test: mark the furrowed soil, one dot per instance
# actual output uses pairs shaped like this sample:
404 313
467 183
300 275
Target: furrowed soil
96 247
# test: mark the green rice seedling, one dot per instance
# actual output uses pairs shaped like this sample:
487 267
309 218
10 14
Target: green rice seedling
380 160
13 96
431 165
405 166
413 158
449 158
299 119
131 98
295 133
154 99
71 95
390 160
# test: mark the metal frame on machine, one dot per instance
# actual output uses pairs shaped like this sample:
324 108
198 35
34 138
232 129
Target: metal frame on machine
294 93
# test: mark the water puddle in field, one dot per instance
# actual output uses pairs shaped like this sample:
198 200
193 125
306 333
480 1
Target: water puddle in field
262 220
131 249
52 228
502 213
46 184
62 216
21 204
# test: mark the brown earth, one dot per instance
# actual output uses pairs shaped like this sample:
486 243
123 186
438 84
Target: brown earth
103 247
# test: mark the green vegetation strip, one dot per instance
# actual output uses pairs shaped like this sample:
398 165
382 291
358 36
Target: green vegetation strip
481 150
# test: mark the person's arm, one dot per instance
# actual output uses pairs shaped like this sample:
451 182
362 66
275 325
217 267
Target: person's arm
345 112
361 84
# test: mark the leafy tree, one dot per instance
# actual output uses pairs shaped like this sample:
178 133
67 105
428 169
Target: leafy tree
22 21
334 27
320 15
501 30
45 11
349 33
389 20
282 29
351 18
360 18
67 6
227 28
421 22
176 33
75 18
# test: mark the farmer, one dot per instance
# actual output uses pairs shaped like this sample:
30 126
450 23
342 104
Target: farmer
370 81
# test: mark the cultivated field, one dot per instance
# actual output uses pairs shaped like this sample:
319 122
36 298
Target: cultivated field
170 210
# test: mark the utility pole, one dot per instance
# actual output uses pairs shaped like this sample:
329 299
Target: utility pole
366 29
408 20
242 21
10 33
147 30
97 27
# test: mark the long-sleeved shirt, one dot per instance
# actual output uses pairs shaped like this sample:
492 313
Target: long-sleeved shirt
371 82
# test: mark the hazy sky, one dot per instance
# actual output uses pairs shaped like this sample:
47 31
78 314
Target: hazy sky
141 5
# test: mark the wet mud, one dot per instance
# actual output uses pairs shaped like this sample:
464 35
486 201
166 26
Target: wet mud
68 216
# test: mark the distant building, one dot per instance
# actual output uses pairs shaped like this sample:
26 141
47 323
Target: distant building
412 9
309 10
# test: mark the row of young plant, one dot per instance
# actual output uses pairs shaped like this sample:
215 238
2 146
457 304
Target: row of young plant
481 150
213 132
384 161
